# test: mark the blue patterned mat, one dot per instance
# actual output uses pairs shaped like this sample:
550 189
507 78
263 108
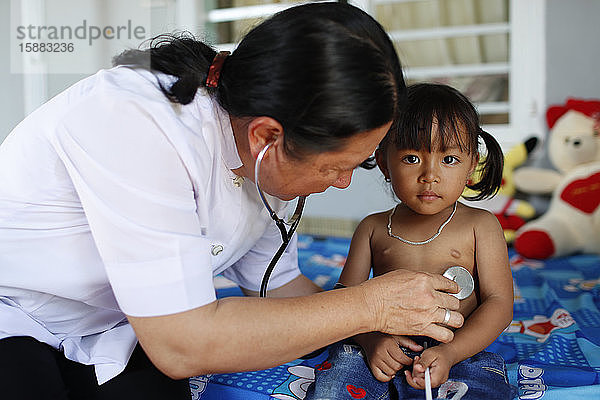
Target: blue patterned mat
552 347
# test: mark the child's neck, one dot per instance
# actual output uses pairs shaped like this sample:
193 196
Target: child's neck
414 228
406 212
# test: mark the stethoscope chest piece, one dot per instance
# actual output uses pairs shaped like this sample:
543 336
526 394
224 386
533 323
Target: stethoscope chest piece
463 278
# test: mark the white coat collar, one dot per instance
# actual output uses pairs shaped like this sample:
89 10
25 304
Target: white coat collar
229 151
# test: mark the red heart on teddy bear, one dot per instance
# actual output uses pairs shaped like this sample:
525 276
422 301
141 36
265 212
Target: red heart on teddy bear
583 194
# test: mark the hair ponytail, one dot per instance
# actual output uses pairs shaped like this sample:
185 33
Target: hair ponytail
178 55
491 169
324 71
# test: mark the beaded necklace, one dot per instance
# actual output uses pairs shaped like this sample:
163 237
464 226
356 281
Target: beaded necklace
389 227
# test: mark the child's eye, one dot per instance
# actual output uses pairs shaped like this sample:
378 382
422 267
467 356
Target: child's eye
410 159
450 160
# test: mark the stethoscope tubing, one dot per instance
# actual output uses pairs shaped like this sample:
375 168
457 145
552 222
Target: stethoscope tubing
286 235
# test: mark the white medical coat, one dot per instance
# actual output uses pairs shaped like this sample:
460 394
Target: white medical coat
115 201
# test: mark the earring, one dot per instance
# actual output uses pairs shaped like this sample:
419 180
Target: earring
388 179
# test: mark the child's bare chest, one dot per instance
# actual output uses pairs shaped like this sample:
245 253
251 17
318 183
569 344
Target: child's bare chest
453 247
447 250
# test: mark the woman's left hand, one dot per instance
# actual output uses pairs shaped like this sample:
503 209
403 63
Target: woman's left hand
439 364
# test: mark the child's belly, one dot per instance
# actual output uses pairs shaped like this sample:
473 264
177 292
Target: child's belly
437 261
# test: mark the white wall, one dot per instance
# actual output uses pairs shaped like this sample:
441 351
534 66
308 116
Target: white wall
11 85
23 91
572 49
572 56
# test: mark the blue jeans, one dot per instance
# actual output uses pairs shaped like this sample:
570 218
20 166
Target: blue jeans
348 376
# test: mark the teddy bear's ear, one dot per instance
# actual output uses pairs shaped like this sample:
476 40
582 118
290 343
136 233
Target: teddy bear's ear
554 113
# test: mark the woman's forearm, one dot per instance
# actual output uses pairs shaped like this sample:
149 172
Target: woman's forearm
240 334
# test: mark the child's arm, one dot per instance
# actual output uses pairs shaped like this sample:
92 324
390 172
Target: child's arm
358 263
488 320
383 352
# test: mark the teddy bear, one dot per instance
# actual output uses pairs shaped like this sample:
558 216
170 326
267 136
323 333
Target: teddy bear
572 222
512 213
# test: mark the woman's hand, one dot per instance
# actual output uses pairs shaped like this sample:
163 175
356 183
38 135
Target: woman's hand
384 356
439 364
413 303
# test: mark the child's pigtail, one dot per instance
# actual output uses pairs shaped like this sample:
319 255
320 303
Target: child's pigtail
491 169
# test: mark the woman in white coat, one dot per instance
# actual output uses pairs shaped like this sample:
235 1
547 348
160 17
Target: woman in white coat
123 196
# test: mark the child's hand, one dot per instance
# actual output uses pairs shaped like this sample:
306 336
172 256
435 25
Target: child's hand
384 356
439 367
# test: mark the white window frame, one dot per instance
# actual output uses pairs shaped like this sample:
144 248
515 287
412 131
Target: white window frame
527 80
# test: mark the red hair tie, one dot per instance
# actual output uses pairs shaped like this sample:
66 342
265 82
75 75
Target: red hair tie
214 71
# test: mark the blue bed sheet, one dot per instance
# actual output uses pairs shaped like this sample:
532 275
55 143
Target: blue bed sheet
551 348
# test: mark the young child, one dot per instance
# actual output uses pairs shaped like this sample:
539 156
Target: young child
428 156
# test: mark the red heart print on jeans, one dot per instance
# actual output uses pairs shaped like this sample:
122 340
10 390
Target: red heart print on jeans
323 366
357 393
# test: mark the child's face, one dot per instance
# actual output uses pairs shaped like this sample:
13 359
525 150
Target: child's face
427 182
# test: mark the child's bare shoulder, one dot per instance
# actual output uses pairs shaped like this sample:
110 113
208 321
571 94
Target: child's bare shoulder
372 222
375 218
479 217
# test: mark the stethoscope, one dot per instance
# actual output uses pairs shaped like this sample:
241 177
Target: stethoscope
286 235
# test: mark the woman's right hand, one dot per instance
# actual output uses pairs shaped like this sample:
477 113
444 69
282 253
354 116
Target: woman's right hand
404 302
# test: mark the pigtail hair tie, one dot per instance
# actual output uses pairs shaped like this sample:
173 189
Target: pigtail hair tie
214 71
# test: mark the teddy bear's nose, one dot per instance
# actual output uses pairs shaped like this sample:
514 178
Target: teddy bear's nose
575 141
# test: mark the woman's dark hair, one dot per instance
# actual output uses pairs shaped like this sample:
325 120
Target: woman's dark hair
324 71
431 104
